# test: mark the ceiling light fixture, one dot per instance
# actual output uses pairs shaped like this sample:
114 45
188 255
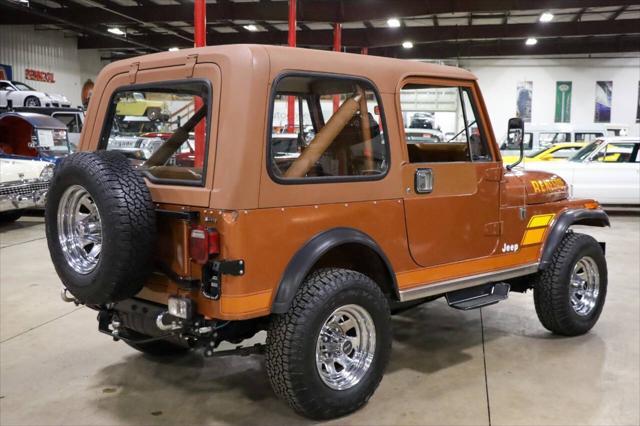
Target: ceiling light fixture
173 49
393 22
531 41
250 27
116 31
546 17
407 44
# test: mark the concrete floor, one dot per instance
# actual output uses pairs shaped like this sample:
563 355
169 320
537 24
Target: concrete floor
494 366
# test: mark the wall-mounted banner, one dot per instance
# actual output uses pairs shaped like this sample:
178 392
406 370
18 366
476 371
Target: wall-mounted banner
523 103
45 77
604 90
563 101
6 73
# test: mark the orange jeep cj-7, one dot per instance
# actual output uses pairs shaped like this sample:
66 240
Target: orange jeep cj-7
278 190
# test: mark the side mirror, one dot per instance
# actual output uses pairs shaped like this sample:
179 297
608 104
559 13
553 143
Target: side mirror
515 135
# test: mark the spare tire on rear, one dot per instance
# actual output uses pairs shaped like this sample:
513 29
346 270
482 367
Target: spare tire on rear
100 226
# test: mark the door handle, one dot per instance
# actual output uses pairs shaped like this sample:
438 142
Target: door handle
423 181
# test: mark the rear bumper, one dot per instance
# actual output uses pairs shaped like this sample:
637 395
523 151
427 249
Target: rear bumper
23 195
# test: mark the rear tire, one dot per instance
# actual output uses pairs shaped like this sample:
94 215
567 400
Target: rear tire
569 294
340 315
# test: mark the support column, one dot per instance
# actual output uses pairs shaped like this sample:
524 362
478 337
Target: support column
291 107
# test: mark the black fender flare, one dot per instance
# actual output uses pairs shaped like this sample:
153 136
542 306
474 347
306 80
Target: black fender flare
589 217
306 257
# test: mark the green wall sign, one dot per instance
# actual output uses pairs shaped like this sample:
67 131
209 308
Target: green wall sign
563 101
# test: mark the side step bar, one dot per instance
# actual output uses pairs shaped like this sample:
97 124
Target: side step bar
477 297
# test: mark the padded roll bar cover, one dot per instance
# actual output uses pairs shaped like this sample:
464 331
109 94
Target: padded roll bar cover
302 262
323 138
596 217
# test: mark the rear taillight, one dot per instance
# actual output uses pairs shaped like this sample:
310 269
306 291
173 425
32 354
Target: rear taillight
203 243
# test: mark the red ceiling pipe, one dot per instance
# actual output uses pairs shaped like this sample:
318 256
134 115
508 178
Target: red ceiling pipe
291 107
337 47
200 40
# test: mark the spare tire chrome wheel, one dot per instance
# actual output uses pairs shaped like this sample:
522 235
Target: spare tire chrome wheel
79 229
101 227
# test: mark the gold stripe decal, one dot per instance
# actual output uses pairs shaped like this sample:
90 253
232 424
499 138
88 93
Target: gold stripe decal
536 229
540 220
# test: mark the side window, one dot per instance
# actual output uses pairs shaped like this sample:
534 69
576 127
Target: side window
588 137
617 153
325 128
549 138
441 125
69 120
162 129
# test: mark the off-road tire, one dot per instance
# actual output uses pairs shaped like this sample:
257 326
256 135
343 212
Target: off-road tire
128 224
292 337
10 217
552 286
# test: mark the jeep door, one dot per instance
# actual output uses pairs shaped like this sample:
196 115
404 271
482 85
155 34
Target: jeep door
451 185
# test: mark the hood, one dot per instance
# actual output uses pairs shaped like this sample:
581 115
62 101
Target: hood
14 169
543 187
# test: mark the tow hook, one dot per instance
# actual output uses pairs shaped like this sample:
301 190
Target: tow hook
173 326
67 297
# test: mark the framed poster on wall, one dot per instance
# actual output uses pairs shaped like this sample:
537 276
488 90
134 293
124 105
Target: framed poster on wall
563 101
523 102
604 90
6 72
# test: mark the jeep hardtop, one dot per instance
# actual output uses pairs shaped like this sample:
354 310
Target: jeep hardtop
286 196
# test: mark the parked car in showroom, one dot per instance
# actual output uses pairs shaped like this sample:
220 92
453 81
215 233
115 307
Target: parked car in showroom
607 169
23 185
73 118
17 94
30 135
557 152
541 136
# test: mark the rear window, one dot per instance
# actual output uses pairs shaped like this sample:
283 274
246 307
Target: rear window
162 129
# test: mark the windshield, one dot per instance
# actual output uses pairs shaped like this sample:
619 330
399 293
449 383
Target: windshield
585 152
22 86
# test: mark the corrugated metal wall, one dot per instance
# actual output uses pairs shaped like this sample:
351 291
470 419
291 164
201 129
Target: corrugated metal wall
22 47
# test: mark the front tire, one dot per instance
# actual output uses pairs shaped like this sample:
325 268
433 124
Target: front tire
32 101
569 294
327 355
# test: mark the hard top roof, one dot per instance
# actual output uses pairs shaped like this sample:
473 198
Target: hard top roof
386 72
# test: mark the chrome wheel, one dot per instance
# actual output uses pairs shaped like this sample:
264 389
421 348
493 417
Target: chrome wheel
585 286
80 229
345 347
